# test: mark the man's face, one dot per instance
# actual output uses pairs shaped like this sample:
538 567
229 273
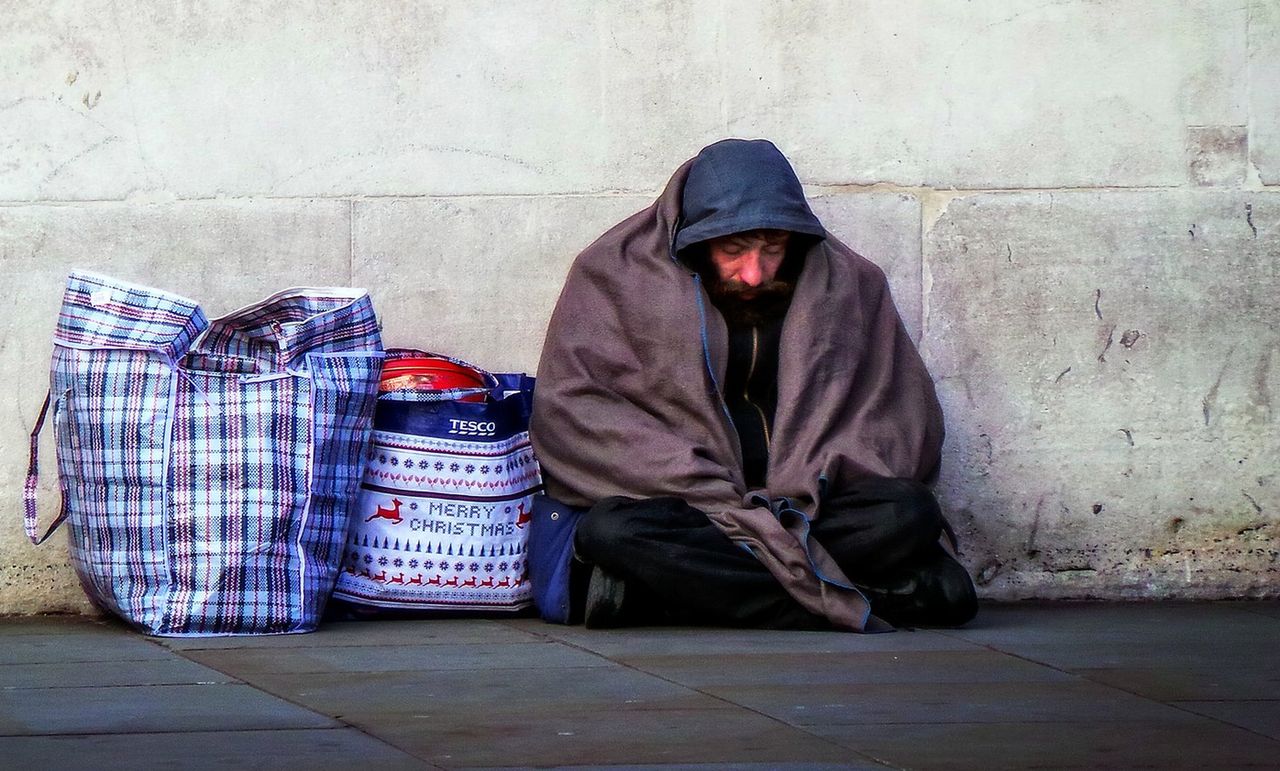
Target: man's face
744 261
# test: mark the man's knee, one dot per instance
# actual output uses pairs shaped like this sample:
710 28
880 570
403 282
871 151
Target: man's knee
916 514
601 528
615 525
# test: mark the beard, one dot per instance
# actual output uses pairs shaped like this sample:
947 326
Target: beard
751 306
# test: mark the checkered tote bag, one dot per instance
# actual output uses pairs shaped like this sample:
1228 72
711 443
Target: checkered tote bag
207 468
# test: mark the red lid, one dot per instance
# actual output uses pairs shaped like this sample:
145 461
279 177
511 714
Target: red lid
430 373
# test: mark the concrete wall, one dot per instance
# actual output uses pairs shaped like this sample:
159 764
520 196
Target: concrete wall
1078 204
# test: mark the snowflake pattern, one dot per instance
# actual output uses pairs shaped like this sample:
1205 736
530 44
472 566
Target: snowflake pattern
458 566
453 467
439 466
428 564
471 469
382 459
368 559
484 469
488 567
382 561
398 562
395 461
474 566
424 463
413 564
502 566
413 505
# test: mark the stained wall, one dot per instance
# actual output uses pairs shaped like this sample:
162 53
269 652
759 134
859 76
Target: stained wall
1077 203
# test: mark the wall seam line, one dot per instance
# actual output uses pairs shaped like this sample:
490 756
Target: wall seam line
812 190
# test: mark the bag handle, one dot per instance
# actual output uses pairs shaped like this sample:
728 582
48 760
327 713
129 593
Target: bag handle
33 479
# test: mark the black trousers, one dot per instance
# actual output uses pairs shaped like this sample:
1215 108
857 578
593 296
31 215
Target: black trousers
883 534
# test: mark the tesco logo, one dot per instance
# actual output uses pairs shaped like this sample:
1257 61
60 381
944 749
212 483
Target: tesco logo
472 427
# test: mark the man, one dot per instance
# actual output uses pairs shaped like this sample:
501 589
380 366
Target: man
731 392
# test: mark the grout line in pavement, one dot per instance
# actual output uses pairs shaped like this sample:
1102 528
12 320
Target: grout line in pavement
715 697
134 732
338 718
1111 686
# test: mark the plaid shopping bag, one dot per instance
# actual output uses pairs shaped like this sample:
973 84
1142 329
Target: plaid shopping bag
442 519
208 467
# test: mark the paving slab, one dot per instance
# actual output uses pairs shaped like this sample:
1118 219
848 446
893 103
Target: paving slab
303 750
1077 744
245 663
1271 609
1257 715
495 735
83 645
804 669
146 709
519 693
1224 678
62 624
1160 654
384 693
341 634
864 766
1010 624
83 674
692 641
931 702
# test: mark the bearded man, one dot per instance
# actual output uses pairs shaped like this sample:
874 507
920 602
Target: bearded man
730 394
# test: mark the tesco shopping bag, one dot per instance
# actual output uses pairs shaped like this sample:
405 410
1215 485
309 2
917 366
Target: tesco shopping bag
208 467
443 514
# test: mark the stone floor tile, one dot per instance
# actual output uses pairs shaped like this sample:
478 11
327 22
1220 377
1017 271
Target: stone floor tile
354 633
347 694
1225 679
1261 716
1205 653
12 626
493 735
247 662
743 766
146 709
1000 702
1267 608
789 669
681 640
170 671
78 646
1084 744
1010 624
285 750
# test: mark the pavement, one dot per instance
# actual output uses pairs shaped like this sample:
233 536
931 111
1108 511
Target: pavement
1166 685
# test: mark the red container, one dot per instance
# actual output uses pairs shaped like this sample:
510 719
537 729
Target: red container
431 373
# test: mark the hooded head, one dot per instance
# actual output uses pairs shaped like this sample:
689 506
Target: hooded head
736 185
745 226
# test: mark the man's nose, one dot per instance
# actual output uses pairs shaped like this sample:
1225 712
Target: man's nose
750 272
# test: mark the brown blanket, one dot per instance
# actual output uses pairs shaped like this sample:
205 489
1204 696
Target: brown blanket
627 402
